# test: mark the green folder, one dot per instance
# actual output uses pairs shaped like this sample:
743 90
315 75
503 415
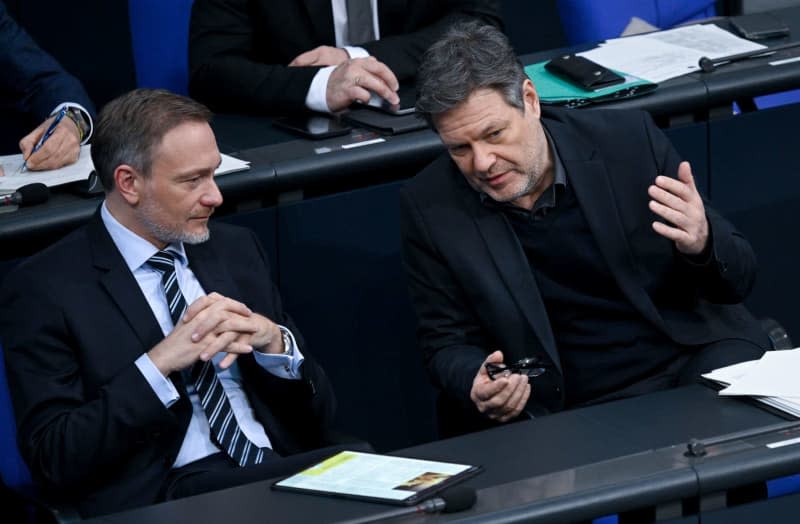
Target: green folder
555 90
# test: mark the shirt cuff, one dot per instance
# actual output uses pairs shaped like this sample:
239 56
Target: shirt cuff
284 365
316 99
356 52
162 386
86 116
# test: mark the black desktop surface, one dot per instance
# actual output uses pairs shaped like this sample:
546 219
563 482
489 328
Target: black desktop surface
564 447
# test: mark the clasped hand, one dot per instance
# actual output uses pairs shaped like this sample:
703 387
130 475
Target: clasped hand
214 324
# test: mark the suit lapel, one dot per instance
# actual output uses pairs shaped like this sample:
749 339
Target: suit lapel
210 272
121 286
590 180
320 15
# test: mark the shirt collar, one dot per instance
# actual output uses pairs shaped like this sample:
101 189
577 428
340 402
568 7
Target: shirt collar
547 199
135 250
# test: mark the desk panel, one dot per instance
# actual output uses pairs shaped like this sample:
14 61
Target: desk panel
691 141
754 183
342 279
780 510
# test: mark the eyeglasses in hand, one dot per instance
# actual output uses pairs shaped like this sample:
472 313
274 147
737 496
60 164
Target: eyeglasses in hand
531 366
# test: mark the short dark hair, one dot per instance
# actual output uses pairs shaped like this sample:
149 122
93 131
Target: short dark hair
468 57
130 127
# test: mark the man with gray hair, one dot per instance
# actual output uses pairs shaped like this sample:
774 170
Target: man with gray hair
556 257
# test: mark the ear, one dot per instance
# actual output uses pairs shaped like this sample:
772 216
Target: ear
128 183
531 98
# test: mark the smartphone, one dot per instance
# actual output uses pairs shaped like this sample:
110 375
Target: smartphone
408 97
312 126
583 72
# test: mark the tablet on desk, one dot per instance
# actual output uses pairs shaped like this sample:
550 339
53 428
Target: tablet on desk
377 478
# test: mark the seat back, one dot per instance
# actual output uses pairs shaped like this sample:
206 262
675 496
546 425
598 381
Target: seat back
13 471
160 41
592 21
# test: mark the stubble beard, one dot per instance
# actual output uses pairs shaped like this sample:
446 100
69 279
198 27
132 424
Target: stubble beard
167 233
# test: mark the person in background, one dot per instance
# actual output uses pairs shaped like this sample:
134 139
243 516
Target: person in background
283 56
33 90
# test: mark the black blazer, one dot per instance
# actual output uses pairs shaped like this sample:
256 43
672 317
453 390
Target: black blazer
472 285
73 321
239 49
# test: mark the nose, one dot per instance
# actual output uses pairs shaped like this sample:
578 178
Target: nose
211 196
482 158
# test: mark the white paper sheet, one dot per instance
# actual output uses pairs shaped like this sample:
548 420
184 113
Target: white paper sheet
662 55
80 170
771 380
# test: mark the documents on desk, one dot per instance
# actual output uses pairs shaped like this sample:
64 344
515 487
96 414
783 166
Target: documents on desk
662 55
80 170
771 380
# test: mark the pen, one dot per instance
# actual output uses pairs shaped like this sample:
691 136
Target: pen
45 136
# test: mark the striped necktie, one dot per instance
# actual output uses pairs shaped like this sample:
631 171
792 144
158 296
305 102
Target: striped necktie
224 427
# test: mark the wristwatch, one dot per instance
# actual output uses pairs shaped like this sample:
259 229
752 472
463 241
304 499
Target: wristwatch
287 342
76 115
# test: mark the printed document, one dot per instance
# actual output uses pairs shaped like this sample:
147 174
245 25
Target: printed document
662 55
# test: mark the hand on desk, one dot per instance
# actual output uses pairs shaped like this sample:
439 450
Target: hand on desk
501 399
61 149
357 79
679 203
214 324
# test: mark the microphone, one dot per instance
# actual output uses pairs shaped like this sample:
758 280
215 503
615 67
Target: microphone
708 65
458 498
27 195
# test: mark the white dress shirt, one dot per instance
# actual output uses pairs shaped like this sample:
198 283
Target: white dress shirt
316 99
197 442
86 116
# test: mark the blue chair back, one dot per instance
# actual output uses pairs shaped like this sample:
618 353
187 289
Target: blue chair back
592 21
13 471
160 41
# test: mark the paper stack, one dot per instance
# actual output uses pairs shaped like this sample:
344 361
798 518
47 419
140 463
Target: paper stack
771 380
662 55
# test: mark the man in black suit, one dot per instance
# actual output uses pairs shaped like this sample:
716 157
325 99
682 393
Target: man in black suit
148 353
33 88
570 246
281 56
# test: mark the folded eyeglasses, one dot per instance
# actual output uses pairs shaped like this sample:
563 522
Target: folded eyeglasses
531 366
